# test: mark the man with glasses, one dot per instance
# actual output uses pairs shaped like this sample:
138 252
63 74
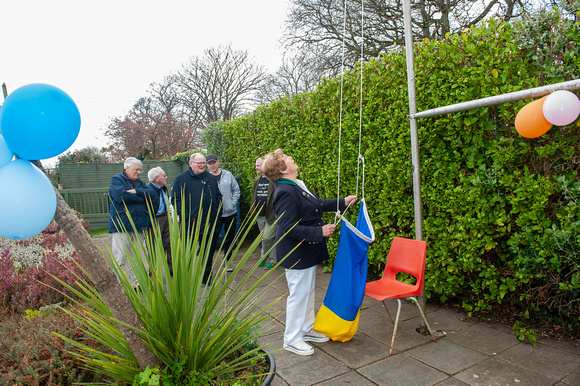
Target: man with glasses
197 191
162 210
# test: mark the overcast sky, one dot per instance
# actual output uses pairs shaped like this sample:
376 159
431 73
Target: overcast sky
106 53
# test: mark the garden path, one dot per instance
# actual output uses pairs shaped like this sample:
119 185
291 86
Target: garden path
469 353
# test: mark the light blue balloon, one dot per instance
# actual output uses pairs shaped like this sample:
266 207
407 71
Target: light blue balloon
28 203
39 121
6 154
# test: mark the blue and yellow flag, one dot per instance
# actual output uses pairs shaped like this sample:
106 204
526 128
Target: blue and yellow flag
338 317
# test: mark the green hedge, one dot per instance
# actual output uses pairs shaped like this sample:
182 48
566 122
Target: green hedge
500 211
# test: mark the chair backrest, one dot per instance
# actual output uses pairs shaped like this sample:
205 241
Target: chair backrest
408 256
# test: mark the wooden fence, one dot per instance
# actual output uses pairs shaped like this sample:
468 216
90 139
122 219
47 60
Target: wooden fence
92 203
85 186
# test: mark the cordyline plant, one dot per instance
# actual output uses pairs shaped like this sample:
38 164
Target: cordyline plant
200 333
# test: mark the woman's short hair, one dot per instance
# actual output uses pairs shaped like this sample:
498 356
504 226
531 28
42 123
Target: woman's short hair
274 165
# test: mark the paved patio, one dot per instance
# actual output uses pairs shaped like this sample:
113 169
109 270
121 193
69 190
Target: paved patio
468 353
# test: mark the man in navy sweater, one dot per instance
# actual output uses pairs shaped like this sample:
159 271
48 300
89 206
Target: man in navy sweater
197 191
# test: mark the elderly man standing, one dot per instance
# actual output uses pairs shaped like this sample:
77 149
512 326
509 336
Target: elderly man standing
197 192
128 194
161 207
262 197
231 193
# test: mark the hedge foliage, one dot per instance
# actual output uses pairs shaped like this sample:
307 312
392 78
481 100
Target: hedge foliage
500 212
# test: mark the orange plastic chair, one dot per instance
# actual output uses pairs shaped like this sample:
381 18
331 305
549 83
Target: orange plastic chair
406 256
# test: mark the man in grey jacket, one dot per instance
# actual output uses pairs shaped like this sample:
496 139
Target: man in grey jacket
231 194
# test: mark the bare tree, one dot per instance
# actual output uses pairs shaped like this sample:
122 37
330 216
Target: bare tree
321 23
299 73
159 125
223 83
165 94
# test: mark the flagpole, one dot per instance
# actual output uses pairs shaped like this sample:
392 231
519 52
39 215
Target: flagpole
414 139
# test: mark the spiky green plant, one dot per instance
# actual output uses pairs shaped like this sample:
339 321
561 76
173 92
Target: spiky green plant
194 329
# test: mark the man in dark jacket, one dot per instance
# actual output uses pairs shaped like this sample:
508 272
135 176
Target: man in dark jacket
197 190
161 208
128 193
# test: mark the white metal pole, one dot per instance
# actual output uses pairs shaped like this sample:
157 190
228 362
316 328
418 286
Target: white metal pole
413 120
497 99
414 138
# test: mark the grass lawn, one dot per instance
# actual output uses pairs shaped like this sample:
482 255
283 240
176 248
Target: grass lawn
99 232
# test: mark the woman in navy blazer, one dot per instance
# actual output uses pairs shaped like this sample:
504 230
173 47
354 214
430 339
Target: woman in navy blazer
299 215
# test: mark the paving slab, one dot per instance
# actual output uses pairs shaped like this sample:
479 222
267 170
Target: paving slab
447 356
451 382
376 324
371 303
471 353
572 379
308 370
350 378
401 370
271 326
446 320
323 279
319 295
570 346
544 360
361 350
277 381
483 338
104 241
408 338
498 372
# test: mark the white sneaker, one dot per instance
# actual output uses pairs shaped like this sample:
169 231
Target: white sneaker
315 336
300 348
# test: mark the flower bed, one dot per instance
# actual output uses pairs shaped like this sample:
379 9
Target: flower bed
28 269
30 296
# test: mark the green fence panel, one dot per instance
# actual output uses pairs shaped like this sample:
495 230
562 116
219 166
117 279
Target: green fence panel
94 175
85 186
92 203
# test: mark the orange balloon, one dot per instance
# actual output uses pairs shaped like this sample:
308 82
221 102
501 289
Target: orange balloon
530 121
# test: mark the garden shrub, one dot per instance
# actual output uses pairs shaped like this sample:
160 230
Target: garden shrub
30 270
88 154
31 275
500 212
30 354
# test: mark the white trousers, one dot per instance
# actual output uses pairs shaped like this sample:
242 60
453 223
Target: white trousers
300 304
121 246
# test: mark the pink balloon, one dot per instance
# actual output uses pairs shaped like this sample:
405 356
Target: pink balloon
561 108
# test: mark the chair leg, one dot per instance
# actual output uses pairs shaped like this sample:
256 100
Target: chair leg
388 313
395 328
414 300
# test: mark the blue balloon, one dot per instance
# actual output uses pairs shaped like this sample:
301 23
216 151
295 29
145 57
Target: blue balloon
39 121
28 203
6 154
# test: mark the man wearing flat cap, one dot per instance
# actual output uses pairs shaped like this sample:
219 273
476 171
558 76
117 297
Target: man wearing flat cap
231 194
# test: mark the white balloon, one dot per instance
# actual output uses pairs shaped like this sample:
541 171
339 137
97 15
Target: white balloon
561 108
